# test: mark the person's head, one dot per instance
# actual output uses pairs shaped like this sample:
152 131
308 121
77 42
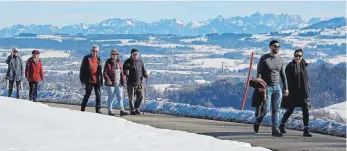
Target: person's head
36 54
298 55
114 54
15 51
274 46
134 53
95 50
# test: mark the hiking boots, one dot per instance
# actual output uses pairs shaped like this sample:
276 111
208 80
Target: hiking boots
137 112
132 112
123 113
307 132
276 133
256 127
110 113
282 128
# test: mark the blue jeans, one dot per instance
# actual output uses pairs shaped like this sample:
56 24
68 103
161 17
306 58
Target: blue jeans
273 101
111 92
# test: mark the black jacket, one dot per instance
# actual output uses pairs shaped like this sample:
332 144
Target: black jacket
299 88
136 71
86 71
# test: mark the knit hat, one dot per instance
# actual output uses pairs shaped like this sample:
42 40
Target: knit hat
134 50
35 52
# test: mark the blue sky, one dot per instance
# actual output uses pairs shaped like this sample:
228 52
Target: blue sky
65 13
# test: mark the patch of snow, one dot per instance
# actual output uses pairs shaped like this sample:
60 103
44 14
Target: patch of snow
337 59
50 54
163 87
170 71
203 39
335 112
47 128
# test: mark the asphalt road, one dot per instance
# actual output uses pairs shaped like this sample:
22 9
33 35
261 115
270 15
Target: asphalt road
292 141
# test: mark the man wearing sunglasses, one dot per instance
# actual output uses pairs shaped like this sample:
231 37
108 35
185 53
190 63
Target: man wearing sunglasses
134 70
270 69
14 71
91 77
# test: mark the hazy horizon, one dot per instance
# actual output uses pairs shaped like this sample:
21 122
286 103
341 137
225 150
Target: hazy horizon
70 13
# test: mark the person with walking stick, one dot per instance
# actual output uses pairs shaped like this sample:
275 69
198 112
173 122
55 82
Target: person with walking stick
135 71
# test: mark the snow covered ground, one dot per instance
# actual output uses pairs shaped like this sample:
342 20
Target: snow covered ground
49 54
339 108
175 72
163 87
229 64
336 112
34 126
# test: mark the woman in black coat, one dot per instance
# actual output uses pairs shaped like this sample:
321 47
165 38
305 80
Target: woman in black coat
299 91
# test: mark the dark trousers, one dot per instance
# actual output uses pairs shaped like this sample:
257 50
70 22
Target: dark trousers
10 88
33 90
290 112
138 91
89 88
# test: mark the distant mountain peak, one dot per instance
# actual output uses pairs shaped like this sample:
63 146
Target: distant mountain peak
252 24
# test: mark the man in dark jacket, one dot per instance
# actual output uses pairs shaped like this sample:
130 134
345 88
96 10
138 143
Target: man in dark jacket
299 91
14 71
91 77
135 71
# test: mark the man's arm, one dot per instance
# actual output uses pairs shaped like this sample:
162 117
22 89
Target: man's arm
27 66
283 76
100 75
8 59
82 69
144 72
21 70
260 67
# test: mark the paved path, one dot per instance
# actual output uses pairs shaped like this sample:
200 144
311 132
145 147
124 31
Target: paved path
293 140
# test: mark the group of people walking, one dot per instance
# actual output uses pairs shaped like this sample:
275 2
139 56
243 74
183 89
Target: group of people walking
268 93
118 77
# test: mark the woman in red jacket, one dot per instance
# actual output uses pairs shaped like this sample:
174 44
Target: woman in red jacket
34 74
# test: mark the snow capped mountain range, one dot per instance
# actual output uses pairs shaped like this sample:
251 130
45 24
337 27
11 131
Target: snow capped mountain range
255 23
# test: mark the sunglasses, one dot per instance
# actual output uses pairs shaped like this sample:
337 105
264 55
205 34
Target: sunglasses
276 46
300 56
115 54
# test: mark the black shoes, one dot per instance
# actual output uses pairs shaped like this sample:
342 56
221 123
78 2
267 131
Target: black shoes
123 113
276 133
256 127
132 112
110 113
137 112
307 132
282 129
98 111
